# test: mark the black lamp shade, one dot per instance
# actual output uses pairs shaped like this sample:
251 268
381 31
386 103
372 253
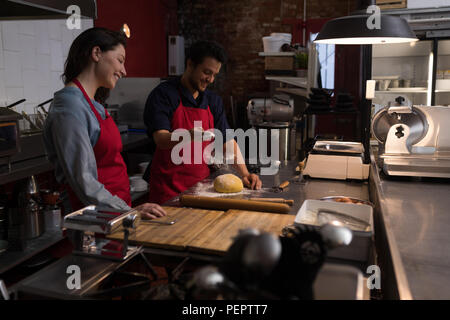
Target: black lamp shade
354 30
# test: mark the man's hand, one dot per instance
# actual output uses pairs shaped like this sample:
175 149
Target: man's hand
252 181
151 211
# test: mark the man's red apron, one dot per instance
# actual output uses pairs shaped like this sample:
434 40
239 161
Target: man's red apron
168 179
111 169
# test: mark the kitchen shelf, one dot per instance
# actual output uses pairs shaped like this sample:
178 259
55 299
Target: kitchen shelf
276 54
295 81
400 50
297 91
24 169
399 91
10 259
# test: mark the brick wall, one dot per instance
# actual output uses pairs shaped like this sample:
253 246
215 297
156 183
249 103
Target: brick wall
239 26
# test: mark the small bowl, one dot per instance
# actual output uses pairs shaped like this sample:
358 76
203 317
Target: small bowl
143 166
406 83
395 83
138 184
384 84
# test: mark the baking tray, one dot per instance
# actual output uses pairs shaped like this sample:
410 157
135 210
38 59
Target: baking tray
359 250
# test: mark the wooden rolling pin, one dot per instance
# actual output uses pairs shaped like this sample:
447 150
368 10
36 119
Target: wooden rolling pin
279 200
225 204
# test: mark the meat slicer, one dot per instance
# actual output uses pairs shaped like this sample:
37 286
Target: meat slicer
415 140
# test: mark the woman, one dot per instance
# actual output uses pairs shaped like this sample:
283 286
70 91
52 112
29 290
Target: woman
81 138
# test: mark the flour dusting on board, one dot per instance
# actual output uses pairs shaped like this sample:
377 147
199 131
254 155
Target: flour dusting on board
206 189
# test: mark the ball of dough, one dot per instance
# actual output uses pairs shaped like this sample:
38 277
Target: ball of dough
228 183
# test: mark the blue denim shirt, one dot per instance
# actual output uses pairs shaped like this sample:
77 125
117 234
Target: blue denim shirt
70 134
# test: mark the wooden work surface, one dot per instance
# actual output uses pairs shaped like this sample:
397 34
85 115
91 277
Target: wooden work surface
190 223
219 236
205 231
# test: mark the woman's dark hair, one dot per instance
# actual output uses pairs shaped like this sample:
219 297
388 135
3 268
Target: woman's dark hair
202 49
81 49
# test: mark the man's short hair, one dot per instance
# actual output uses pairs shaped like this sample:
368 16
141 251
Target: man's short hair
202 49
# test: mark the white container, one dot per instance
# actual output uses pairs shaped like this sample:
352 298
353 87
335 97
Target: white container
384 84
360 247
443 84
272 44
287 37
138 184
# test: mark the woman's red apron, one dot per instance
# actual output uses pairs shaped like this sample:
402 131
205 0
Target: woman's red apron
111 169
168 179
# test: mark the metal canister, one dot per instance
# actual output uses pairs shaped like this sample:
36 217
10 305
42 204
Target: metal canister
29 206
34 220
285 140
52 217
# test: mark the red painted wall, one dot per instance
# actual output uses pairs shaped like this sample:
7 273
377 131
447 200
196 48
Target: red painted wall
311 26
150 22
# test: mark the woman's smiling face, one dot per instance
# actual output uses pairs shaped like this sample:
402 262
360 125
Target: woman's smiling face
111 66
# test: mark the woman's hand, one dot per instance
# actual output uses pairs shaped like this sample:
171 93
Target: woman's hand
252 181
151 211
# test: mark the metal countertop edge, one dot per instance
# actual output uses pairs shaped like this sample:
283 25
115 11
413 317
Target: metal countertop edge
404 290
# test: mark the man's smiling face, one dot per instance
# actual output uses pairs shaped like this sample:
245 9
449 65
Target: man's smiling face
204 73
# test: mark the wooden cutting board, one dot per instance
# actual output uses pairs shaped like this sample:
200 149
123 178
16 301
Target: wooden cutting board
191 222
218 237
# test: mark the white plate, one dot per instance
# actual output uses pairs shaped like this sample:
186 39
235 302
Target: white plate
386 78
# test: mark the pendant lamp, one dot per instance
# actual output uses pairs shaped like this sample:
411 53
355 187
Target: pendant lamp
366 28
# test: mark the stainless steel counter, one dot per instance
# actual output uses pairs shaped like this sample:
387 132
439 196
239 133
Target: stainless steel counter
310 189
10 259
415 214
51 282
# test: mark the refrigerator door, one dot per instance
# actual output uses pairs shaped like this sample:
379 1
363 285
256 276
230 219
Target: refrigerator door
442 89
403 69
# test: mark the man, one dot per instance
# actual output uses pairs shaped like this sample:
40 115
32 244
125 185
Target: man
176 104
